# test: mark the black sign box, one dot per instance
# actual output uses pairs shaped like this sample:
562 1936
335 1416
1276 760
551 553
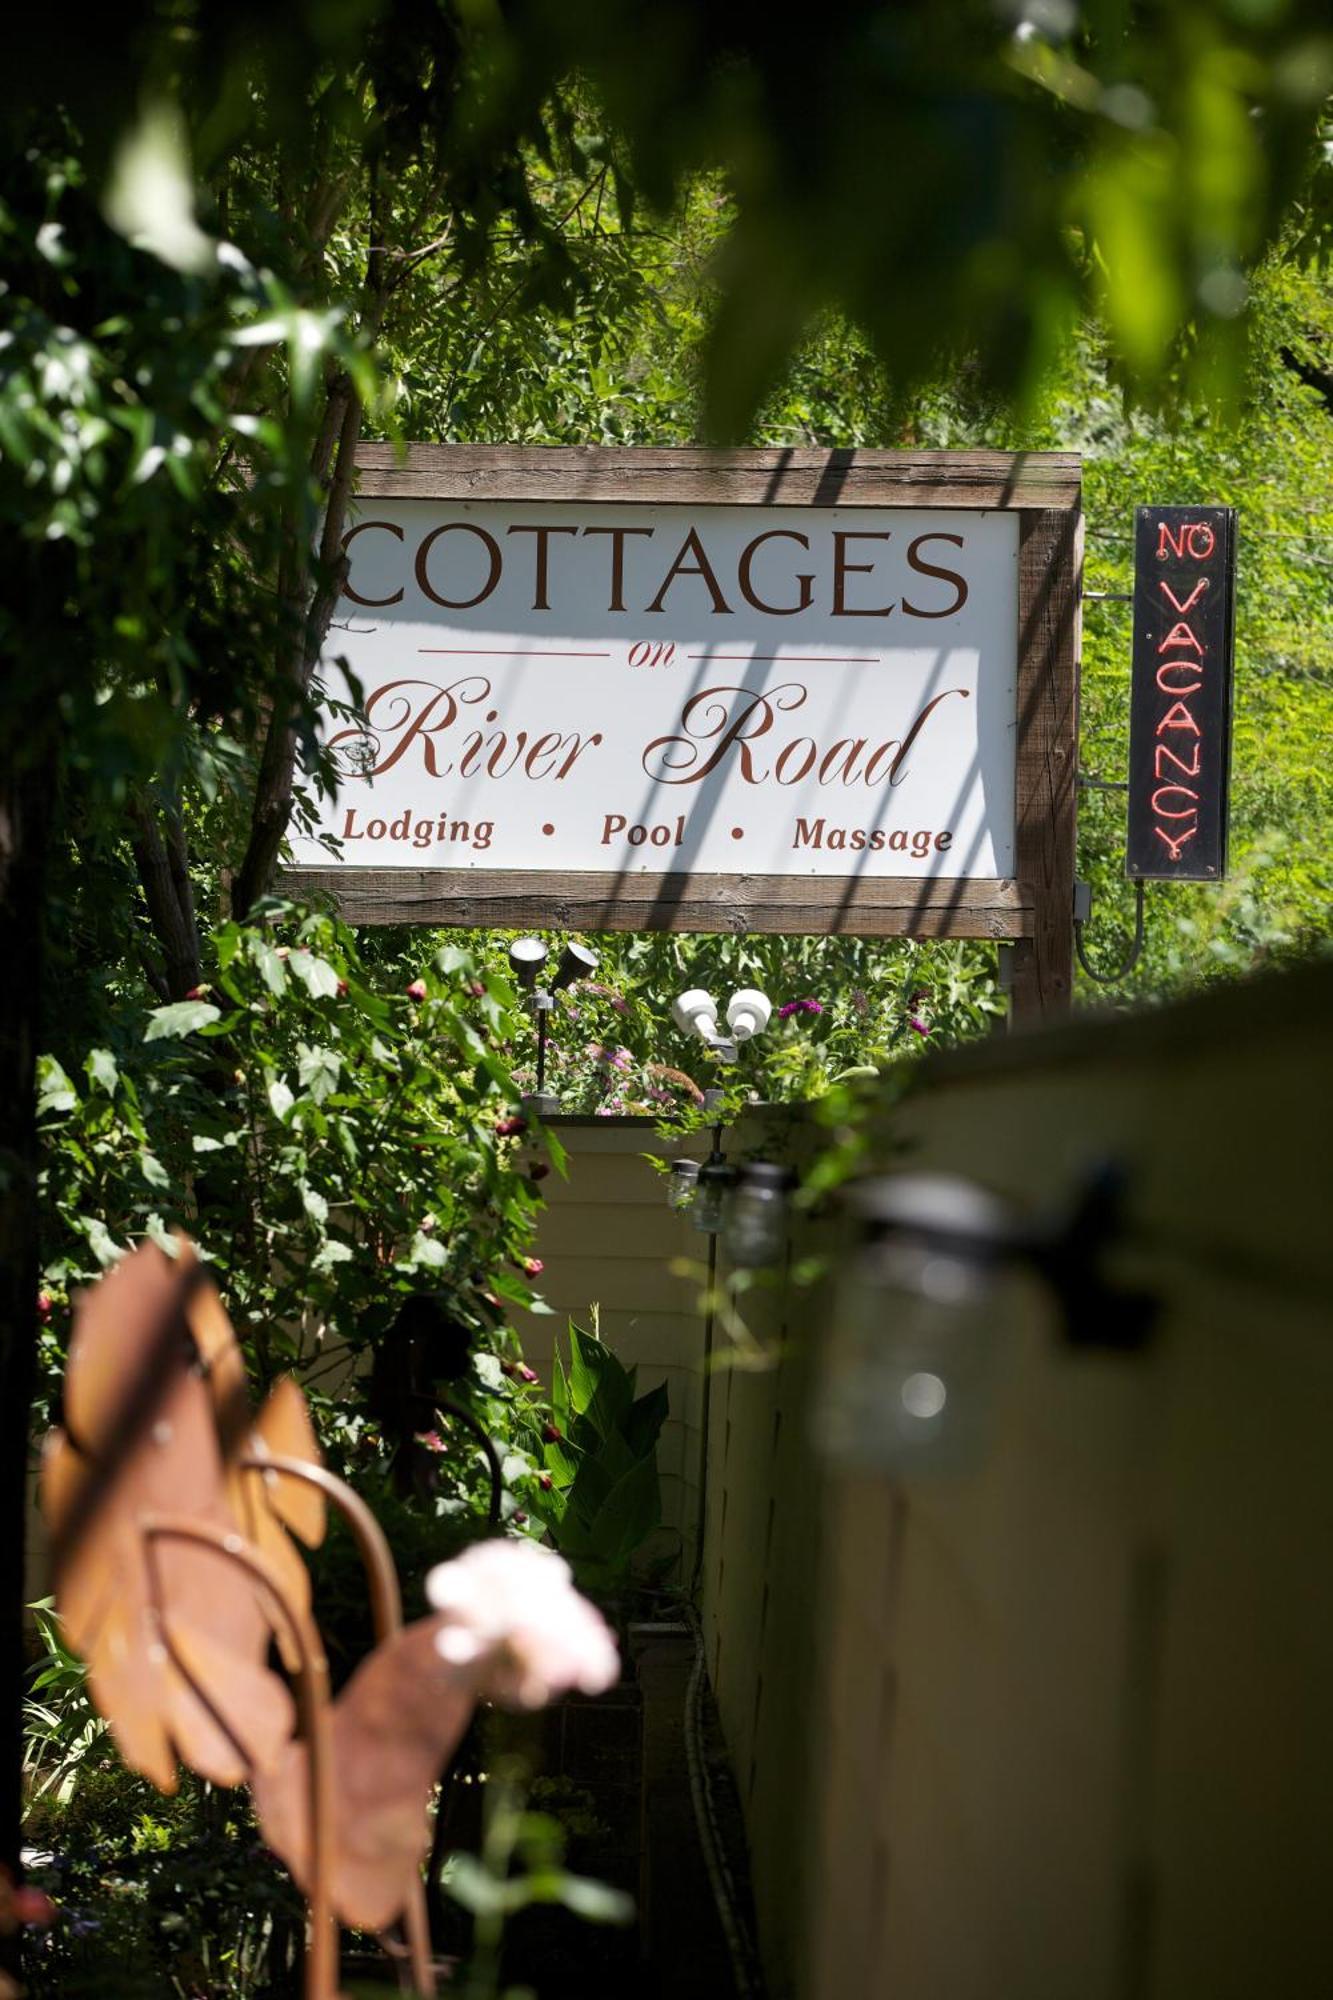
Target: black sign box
1180 701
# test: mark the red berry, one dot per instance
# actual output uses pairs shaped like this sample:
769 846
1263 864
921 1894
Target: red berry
342 988
526 1374
417 990
44 1305
538 1170
520 1518
476 989
553 1433
505 1128
199 992
545 1481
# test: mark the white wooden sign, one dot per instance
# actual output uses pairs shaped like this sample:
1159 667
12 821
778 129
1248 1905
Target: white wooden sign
661 689
779 690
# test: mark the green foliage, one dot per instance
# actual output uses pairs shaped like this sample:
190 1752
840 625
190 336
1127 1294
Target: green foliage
329 1141
1270 461
615 1050
1013 168
158 1898
520 1866
600 1453
62 1731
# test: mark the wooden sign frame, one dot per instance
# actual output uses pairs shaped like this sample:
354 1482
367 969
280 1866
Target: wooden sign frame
1033 912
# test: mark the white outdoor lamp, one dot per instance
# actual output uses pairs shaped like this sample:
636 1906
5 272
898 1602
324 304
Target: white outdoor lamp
705 1189
748 1013
695 1013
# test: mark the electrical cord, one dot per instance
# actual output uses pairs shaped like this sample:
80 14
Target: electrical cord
1131 958
726 1899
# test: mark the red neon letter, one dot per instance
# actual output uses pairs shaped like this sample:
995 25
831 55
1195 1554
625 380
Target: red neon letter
1175 845
1167 591
1180 635
1178 717
1179 667
1164 791
1162 757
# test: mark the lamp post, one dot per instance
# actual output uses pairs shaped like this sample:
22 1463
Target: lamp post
704 1189
527 956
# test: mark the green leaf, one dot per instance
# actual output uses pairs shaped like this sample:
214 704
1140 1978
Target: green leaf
330 1253
600 1388
487 1369
629 1514
559 1391
319 1071
281 1099
271 968
427 1252
472 1885
100 1241
314 1204
182 1017
316 974
645 1418
595 1902
55 1092
150 193
153 1170
102 1069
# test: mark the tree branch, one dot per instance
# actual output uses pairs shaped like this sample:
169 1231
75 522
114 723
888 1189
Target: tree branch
277 765
164 875
1316 378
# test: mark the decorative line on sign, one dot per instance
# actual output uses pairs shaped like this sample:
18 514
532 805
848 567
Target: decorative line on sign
795 659
506 653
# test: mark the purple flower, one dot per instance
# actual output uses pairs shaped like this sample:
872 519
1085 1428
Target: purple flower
617 1000
800 1007
914 1021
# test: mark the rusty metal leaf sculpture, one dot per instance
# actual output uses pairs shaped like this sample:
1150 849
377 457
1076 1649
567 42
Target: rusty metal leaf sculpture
175 1634
265 1504
268 1505
395 1726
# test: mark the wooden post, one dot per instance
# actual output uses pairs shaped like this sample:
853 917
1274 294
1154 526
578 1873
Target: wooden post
1050 596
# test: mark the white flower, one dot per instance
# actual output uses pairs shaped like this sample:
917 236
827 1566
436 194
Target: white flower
511 1614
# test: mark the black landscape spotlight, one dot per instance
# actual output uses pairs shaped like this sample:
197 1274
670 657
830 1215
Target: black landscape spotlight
527 956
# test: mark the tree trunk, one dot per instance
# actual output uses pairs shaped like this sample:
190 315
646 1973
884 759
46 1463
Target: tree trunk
164 874
25 820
